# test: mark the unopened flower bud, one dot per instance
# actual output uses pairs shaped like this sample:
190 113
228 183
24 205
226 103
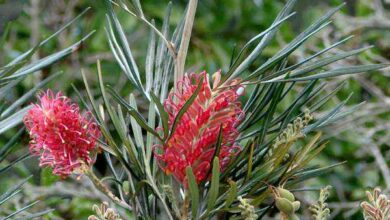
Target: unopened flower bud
284 193
296 205
284 205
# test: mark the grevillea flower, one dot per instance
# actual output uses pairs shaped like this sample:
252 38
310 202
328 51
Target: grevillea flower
194 140
60 135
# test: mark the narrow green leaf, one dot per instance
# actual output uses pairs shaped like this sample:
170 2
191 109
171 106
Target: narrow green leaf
95 108
293 45
327 60
116 121
162 61
250 160
255 96
321 63
258 105
135 126
293 67
232 194
20 210
194 191
214 187
31 51
116 178
304 151
308 174
313 154
19 159
133 151
270 112
341 114
137 6
8 147
163 114
118 54
8 70
28 95
6 28
135 114
218 145
12 190
336 72
127 141
80 97
326 117
315 106
262 34
244 65
302 98
185 107
150 139
46 61
263 43
4 89
13 120
9 196
286 51
35 215
123 134
99 118
150 59
110 165
122 51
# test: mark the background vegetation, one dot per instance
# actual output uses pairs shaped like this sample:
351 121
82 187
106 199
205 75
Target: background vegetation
362 139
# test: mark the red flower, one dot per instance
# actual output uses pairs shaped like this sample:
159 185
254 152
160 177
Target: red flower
193 143
60 134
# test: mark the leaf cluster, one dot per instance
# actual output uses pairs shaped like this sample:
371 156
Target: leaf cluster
268 131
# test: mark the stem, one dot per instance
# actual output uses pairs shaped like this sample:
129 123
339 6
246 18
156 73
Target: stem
186 205
155 189
283 216
135 201
381 162
104 189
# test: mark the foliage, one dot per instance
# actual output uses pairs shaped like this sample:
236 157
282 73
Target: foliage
277 147
263 121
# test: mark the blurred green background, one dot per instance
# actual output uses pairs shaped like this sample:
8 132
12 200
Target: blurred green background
362 139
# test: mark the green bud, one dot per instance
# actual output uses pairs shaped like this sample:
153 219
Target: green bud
296 205
284 193
284 205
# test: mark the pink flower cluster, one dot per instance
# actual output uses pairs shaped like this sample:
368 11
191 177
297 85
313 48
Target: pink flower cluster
193 143
62 136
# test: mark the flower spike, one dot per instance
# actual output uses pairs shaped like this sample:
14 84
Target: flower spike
193 142
60 135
